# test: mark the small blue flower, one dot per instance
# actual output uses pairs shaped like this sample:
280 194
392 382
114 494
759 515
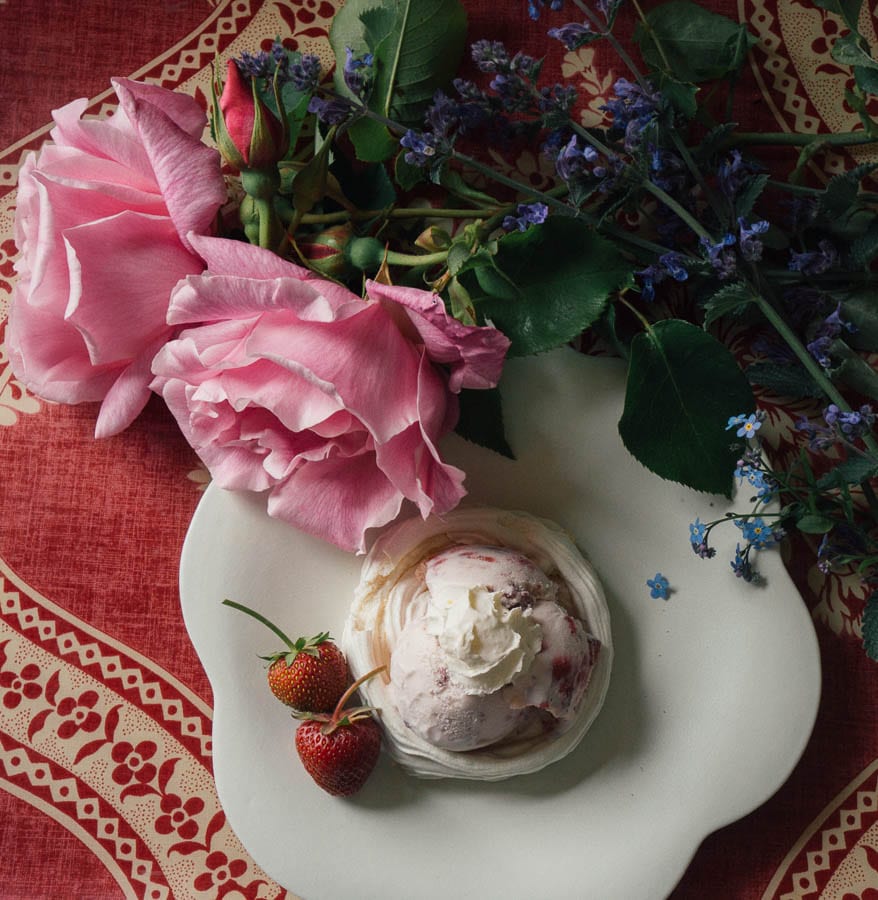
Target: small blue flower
658 587
305 75
764 485
424 149
749 244
735 421
742 567
757 533
749 426
721 256
671 264
573 159
820 346
333 111
820 349
632 108
849 425
572 35
490 56
698 532
535 7
357 72
733 173
814 262
526 214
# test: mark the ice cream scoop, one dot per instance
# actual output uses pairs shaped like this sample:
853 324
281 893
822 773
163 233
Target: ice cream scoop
496 635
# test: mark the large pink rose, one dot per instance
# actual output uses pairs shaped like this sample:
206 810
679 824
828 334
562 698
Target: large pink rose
332 403
102 223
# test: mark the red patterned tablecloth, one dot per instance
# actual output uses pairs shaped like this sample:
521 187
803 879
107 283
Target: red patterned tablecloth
105 712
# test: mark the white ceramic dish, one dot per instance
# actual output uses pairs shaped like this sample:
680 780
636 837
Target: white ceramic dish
702 721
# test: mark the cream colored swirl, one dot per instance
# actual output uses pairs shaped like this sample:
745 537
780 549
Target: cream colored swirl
485 644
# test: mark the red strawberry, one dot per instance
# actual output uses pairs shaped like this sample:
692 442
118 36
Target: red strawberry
340 751
310 675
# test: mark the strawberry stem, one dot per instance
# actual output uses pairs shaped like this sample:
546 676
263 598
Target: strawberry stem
261 618
339 707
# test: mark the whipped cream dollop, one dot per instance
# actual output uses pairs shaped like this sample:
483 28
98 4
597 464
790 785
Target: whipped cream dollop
485 644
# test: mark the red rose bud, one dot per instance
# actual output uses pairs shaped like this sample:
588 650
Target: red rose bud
325 251
248 134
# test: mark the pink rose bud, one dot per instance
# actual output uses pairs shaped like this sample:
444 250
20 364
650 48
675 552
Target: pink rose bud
324 251
249 135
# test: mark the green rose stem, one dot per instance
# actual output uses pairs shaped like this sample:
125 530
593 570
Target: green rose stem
395 258
265 213
419 212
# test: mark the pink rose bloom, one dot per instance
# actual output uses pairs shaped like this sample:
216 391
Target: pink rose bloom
102 224
331 403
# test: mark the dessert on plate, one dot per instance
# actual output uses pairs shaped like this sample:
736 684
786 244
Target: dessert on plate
496 636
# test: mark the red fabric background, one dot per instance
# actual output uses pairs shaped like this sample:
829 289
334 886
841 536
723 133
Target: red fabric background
97 527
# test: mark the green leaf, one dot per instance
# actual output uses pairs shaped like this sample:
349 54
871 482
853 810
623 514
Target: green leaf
865 248
372 141
861 309
851 471
407 175
841 194
683 386
366 186
854 371
791 380
851 50
749 194
680 95
309 183
417 46
461 303
481 420
732 299
455 184
849 10
870 626
866 79
714 141
549 283
692 43
814 523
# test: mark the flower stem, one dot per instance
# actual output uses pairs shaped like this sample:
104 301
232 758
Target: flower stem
265 213
415 259
547 198
355 215
808 361
794 139
673 205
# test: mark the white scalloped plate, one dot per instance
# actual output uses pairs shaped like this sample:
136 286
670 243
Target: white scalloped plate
712 700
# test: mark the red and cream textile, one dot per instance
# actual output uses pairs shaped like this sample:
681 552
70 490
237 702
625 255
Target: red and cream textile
105 713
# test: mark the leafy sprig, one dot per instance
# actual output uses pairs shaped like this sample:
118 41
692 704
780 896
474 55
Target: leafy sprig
386 170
